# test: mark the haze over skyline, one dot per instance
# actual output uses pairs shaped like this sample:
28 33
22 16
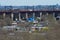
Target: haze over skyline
28 2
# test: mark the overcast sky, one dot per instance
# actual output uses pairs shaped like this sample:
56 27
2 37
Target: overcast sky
28 2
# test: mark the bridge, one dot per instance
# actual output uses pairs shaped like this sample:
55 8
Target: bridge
20 14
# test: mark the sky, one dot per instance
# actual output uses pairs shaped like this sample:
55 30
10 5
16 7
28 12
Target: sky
28 2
